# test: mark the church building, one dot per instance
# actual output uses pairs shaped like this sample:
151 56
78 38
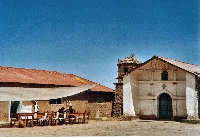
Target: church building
160 88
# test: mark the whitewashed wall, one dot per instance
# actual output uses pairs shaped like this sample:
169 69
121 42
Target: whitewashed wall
128 108
146 87
191 97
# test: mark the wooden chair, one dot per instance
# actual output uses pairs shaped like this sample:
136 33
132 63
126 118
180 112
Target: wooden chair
35 119
67 118
62 118
13 119
71 119
80 118
55 119
43 120
29 123
87 117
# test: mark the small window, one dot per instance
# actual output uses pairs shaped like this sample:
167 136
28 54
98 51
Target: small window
55 101
99 99
164 75
125 70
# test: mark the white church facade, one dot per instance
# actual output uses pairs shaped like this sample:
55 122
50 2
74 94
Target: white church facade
162 88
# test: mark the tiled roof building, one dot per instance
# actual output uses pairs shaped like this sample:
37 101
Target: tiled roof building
52 90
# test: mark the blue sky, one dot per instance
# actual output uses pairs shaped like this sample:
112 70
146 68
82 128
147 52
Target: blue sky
86 37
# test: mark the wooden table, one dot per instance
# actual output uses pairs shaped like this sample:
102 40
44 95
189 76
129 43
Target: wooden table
25 118
77 114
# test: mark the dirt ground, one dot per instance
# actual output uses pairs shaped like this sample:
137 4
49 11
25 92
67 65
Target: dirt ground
109 128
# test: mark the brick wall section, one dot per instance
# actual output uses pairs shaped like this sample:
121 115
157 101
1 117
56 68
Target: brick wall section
4 109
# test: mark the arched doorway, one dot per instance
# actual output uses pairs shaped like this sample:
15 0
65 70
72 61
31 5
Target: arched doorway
165 106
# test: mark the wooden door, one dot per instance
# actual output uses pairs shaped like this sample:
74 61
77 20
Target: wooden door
165 106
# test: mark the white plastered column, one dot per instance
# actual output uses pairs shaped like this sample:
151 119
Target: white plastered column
128 108
191 97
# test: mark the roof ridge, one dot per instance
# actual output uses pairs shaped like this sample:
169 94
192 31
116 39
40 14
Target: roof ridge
195 70
178 61
34 69
91 81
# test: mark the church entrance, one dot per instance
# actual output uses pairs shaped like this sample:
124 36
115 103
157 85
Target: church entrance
165 106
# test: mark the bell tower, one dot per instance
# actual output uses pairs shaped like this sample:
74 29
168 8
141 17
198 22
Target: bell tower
124 67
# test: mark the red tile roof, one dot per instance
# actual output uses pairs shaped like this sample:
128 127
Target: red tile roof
22 75
194 69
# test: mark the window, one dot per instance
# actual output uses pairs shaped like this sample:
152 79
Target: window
99 99
55 101
125 70
164 75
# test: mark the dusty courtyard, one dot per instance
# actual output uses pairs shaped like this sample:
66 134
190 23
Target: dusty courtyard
109 128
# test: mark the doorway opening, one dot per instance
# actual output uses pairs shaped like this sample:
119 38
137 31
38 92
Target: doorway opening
14 106
165 106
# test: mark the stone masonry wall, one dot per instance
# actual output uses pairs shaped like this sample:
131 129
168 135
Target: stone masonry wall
198 93
124 67
118 104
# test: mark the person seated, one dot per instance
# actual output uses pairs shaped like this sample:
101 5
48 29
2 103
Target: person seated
61 110
61 120
71 110
71 116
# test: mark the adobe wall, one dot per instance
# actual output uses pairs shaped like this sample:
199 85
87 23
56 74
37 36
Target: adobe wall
44 105
4 111
88 101
81 102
